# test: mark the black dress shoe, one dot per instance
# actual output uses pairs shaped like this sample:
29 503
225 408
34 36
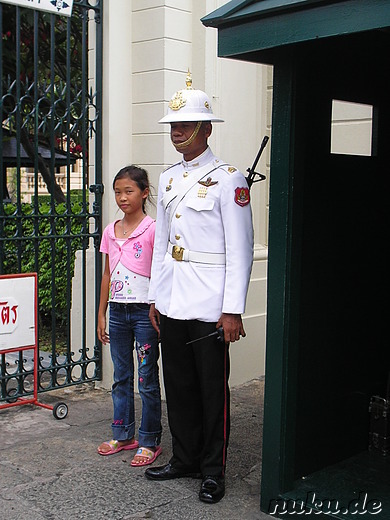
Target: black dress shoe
168 472
212 489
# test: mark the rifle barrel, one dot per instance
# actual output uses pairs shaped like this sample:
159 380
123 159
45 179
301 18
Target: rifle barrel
251 171
262 146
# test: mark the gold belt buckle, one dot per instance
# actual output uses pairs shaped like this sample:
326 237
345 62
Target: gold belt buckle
177 253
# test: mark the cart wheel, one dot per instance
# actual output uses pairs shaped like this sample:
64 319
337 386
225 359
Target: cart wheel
10 395
60 411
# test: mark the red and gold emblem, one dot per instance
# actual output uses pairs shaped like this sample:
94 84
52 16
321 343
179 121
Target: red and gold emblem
241 196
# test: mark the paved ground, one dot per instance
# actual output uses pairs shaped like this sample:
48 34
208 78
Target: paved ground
49 469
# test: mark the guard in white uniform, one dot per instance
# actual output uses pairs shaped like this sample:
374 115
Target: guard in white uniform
201 267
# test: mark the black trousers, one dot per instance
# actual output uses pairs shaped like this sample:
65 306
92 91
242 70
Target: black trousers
197 392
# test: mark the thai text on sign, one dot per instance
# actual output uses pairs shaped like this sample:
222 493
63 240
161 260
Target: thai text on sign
8 315
18 311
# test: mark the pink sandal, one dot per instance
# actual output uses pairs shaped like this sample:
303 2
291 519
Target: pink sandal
115 447
146 452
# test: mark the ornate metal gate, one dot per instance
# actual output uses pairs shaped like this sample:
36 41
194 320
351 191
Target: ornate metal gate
50 193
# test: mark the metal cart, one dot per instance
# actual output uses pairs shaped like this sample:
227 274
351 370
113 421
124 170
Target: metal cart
19 332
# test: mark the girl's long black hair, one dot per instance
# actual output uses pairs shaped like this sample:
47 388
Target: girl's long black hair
138 175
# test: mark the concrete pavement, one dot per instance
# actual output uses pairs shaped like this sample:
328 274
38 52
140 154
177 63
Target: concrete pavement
49 469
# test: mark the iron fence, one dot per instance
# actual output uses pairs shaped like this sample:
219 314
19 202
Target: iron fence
51 188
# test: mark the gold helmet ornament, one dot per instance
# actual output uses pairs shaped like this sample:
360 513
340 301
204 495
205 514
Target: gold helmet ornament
190 105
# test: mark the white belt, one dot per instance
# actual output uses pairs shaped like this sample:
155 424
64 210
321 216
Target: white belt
180 254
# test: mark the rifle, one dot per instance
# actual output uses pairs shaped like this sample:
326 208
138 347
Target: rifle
251 171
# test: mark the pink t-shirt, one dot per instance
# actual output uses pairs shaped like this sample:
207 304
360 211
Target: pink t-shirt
137 250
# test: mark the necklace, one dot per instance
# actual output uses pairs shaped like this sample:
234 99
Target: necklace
132 228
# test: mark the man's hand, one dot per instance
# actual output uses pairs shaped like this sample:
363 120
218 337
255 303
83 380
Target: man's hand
154 317
232 327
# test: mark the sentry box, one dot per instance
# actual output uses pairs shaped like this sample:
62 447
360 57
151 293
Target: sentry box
327 343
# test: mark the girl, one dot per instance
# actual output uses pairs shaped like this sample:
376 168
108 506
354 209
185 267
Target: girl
128 245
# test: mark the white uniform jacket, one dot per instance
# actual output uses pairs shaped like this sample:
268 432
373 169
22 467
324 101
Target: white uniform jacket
203 207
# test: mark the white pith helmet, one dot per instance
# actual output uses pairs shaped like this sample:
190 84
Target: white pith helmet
190 105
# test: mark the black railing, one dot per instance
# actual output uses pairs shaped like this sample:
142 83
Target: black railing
51 124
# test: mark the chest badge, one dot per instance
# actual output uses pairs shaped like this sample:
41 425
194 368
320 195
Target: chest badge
202 192
208 182
169 187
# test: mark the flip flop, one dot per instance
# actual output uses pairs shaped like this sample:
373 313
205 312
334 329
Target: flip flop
146 452
115 447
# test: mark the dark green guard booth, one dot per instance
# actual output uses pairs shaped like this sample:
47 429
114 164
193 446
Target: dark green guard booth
328 314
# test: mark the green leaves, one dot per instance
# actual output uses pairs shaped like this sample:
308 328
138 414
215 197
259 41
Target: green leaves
44 241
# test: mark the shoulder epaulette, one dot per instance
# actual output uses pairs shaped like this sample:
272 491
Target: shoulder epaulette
169 167
228 168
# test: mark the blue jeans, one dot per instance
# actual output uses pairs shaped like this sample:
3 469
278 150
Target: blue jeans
129 324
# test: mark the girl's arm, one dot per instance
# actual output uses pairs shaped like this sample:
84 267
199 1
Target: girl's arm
104 292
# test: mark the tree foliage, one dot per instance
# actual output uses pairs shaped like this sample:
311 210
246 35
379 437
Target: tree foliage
52 253
43 83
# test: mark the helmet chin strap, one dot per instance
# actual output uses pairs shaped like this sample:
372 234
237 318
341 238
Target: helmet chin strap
179 146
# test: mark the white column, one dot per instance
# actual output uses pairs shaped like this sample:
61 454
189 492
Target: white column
117 115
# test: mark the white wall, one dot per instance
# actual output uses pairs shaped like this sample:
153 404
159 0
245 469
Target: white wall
351 128
148 47
117 115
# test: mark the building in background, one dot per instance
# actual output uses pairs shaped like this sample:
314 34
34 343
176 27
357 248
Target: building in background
149 45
